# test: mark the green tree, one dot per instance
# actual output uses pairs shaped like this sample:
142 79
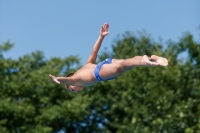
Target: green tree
29 101
155 99
144 100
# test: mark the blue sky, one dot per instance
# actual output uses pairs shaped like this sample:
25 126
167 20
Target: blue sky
65 27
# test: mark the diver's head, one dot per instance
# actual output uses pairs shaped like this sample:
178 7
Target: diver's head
73 88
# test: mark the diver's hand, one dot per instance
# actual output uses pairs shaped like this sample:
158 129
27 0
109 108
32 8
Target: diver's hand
104 30
54 79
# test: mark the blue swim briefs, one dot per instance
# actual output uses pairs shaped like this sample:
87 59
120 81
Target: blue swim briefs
98 67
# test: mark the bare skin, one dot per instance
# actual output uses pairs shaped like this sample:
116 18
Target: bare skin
85 75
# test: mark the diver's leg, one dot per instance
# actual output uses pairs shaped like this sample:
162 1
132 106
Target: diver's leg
119 66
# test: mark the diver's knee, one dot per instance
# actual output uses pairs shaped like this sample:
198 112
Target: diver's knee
120 68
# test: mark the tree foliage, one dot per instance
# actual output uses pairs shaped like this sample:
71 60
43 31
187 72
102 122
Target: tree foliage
144 99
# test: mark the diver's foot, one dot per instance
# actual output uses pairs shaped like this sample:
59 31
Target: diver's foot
146 61
160 60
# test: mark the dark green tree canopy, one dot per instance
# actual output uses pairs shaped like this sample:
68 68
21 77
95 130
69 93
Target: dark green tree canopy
144 99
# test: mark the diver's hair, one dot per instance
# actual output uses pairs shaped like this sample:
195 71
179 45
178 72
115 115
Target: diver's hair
69 75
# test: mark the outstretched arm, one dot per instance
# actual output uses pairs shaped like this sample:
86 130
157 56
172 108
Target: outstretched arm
103 32
67 81
62 80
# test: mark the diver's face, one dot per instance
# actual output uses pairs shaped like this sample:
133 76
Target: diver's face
72 88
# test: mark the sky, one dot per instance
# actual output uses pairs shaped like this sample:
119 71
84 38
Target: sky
65 27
